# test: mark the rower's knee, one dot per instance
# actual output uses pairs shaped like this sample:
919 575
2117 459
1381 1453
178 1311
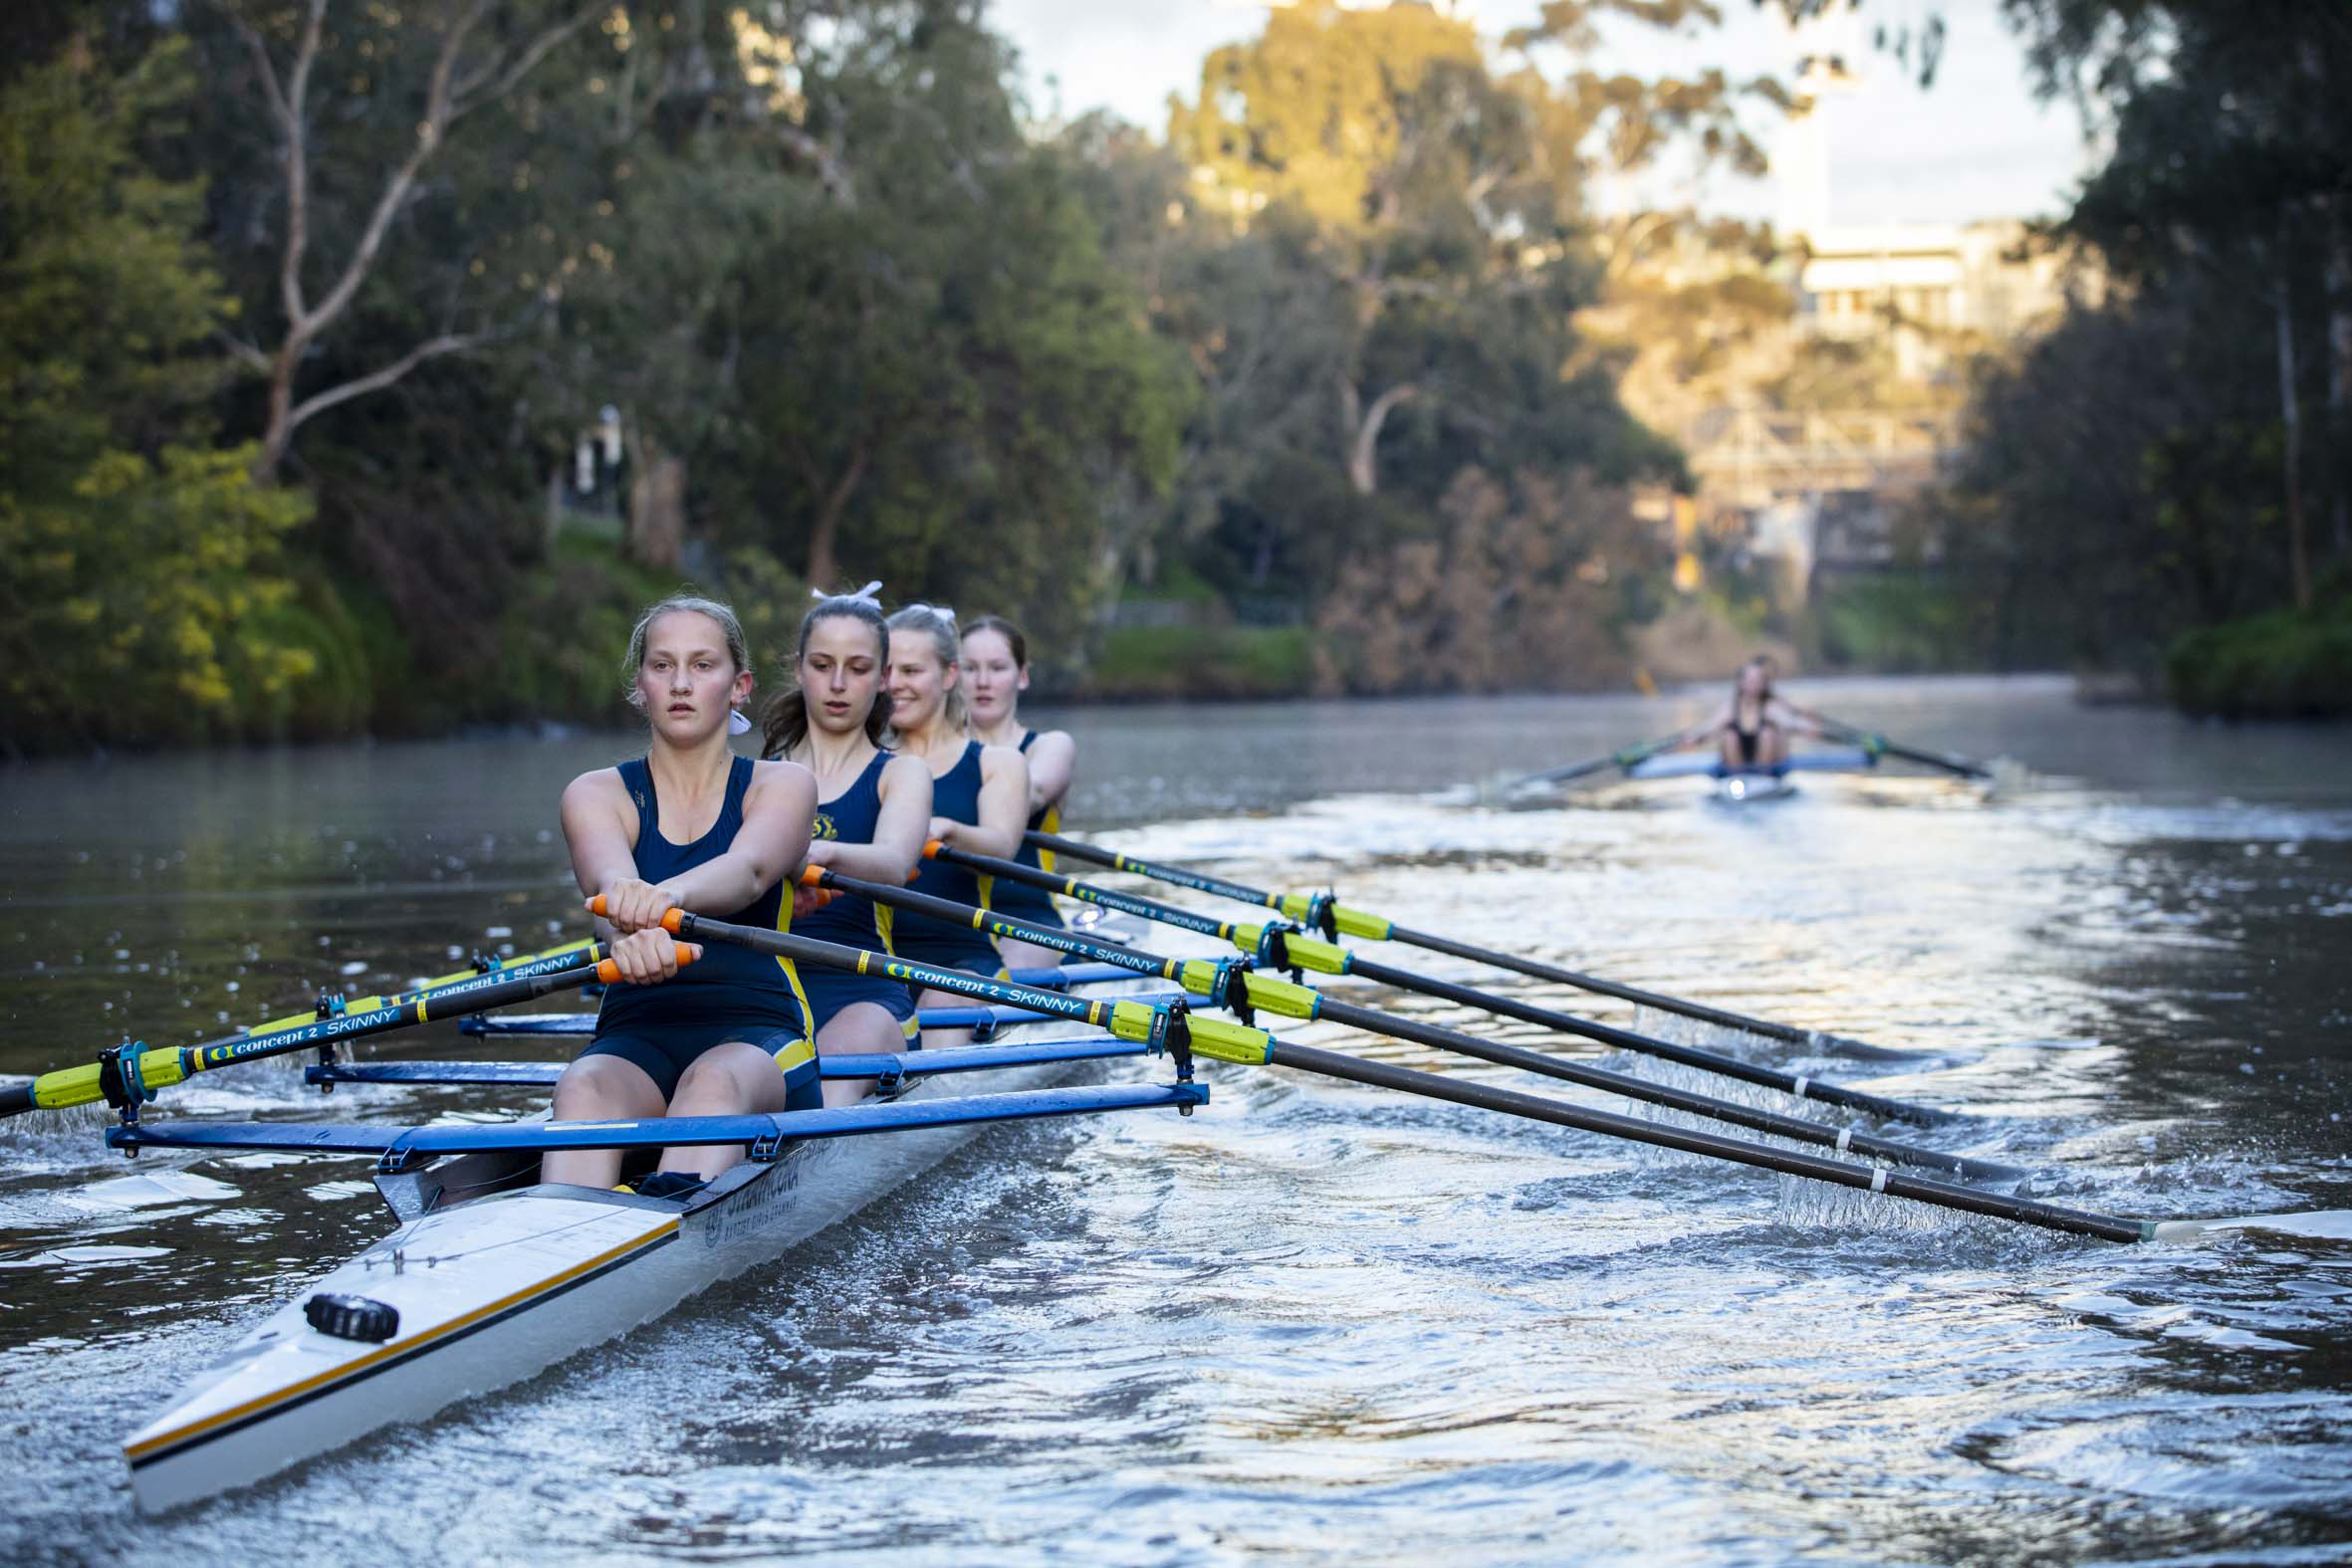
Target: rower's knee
732 1077
598 1088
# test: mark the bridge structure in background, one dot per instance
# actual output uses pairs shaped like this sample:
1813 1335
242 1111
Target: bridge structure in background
1747 458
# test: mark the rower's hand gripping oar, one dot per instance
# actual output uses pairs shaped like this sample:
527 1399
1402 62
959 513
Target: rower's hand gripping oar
1232 984
130 1075
1283 948
1188 1034
1319 910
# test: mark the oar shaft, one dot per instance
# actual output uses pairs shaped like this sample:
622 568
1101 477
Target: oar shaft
1921 1189
1300 1002
1336 960
1374 928
158 1070
1625 1039
1754 1118
1720 1018
1086 892
948 911
1175 876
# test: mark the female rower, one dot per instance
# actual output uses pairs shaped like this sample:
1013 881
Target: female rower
689 826
979 797
872 812
1751 728
995 673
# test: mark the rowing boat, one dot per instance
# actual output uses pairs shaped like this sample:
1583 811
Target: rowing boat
1754 785
490 1277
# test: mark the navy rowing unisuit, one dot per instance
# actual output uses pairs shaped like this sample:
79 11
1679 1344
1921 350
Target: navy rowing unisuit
852 920
955 794
728 994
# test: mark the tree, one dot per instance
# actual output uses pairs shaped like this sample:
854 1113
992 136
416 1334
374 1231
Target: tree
470 53
137 563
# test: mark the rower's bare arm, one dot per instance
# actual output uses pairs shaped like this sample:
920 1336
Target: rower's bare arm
897 847
597 819
1052 757
1004 805
778 809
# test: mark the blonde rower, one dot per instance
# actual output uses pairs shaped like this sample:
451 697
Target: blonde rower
872 812
979 797
995 673
689 826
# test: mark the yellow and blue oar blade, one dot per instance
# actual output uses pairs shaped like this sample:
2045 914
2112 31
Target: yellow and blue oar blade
129 1076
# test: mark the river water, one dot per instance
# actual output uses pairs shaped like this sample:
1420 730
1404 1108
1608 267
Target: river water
1311 1322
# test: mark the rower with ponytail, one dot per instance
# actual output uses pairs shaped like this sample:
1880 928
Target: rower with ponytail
872 812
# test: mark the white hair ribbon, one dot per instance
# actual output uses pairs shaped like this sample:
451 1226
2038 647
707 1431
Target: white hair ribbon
871 594
737 723
940 610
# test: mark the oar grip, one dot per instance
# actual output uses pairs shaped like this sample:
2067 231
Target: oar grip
669 919
609 972
812 876
932 846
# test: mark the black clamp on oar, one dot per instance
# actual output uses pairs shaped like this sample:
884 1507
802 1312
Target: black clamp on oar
1273 949
1323 914
122 1082
1171 1032
332 1004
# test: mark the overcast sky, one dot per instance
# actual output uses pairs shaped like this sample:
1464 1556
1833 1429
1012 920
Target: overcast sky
1975 145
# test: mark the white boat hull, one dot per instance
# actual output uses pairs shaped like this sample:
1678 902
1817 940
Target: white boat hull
494 1289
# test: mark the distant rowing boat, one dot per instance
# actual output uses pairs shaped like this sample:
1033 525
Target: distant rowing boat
1754 785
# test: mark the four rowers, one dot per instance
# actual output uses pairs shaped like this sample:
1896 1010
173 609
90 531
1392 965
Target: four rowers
889 733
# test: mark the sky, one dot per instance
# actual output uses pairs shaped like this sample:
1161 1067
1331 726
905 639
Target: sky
1973 146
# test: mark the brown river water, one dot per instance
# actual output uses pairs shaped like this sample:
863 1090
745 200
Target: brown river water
1313 1322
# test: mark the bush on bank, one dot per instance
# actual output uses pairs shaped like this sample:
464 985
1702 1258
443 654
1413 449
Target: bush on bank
2284 664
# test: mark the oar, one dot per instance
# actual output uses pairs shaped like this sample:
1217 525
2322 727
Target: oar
1285 949
1335 920
553 960
1230 983
1870 741
1626 756
129 1075
1167 1024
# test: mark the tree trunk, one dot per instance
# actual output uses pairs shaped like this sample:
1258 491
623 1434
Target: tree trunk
2338 272
823 539
1360 434
2299 545
658 510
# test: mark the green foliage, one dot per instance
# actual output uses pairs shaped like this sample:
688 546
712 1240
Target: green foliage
1203 663
138 574
2161 462
1902 623
986 384
2281 664
134 602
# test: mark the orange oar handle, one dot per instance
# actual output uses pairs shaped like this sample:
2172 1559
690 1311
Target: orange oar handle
670 918
811 876
609 972
932 846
